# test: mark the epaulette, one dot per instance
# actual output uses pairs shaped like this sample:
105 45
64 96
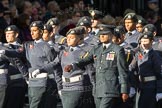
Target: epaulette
6 45
62 40
84 55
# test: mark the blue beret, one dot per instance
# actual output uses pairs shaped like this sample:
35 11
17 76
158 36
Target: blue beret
38 24
12 28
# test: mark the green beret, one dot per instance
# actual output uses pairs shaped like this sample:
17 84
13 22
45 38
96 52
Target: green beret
105 29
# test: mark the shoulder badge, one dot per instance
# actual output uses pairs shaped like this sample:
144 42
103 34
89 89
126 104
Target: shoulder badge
62 40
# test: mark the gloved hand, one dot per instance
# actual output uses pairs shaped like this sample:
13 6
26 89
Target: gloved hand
158 96
59 92
26 78
132 92
68 68
2 52
35 73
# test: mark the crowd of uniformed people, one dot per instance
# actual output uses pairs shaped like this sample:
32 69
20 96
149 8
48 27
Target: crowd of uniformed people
90 63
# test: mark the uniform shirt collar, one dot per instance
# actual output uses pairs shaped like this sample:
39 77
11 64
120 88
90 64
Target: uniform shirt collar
146 51
107 45
87 37
74 48
50 42
133 32
81 45
123 44
38 41
14 43
95 31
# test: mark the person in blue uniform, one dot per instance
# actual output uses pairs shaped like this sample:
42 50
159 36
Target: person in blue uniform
148 64
51 95
111 70
55 23
17 86
96 18
119 35
89 37
3 76
38 53
118 38
74 83
5 67
141 22
131 37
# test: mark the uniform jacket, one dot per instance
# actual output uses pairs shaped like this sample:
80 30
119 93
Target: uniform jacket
13 65
111 70
38 55
70 55
132 38
148 64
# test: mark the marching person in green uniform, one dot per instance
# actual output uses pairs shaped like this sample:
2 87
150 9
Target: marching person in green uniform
111 70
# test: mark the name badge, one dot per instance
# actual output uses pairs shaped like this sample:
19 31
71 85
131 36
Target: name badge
110 56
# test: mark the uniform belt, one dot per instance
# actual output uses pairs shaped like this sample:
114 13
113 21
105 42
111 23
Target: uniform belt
72 79
41 75
147 79
51 76
17 76
3 71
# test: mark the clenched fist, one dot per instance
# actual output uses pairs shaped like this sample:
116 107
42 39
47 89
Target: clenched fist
68 68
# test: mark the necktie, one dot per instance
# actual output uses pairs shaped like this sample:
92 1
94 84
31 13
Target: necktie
71 49
129 33
104 47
